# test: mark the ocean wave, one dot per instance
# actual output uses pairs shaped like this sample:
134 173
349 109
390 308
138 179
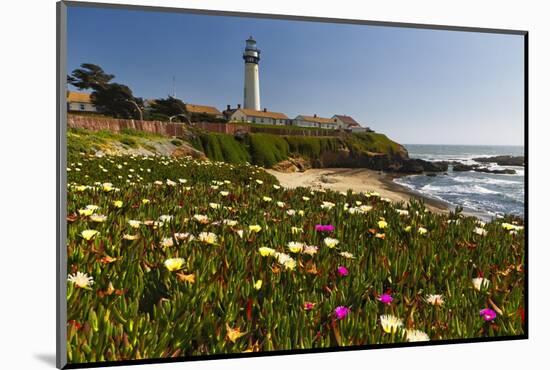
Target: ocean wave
485 180
458 189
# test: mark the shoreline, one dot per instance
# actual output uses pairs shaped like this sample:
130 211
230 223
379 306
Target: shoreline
358 180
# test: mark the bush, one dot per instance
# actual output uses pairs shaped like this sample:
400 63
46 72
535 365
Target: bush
267 150
221 147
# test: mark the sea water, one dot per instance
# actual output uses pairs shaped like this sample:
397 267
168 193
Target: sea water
488 195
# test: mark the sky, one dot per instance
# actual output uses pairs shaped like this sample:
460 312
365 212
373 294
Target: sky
417 86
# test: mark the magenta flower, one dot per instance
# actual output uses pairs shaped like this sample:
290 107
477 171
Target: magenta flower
385 298
343 271
488 314
324 228
341 312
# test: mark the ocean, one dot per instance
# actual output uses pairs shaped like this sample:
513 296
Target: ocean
487 195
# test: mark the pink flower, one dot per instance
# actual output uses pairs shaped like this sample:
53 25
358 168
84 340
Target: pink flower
488 314
308 306
324 228
341 312
343 271
385 298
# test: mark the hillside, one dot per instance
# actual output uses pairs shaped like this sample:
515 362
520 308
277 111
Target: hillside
283 152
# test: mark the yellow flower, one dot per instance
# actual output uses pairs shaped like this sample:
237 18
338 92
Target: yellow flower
390 323
85 212
117 203
107 187
208 238
214 205
296 230
265 251
382 224
408 228
259 182
254 228
267 199
422 230
130 237
331 242
224 193
174 264
89 234
295 247
98 218
189 278
145 201
234 334
258 285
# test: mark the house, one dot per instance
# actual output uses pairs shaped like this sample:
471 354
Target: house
203 110
264 116
349 124
80 102
316 121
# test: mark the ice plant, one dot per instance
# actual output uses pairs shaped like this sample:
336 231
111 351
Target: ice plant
413 335
174 264
343 271
331 242
118 203
390 323
89 234
208 238
487 314
308 306
480 283
422 230
385 298
81 280
382 224
254 228
295 247
324 228
310 249
435 299
480 231
341 312
234 334
258 284
347 255
265 251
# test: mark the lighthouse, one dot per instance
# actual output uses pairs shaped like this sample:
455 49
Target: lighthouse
251 58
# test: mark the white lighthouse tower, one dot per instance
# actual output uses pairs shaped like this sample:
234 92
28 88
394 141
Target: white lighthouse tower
251 58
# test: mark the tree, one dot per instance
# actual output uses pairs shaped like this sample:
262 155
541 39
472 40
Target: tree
89 76
115 100
168 107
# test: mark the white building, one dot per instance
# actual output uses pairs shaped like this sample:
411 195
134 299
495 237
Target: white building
349 124
80 102
251 58
263 117
315 121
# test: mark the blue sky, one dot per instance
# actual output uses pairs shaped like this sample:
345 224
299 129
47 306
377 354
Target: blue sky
417 86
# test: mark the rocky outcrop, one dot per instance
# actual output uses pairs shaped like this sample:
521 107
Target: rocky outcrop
460 167
503 160
293 165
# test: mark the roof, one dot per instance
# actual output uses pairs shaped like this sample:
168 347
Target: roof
261 113
78 97
349 121
316 119
205 109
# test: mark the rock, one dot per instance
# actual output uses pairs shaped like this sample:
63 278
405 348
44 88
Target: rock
328 180
505 171
285 166
186 150
431 174
460 167
503 160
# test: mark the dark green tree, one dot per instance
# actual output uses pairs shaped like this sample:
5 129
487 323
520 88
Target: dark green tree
168 107
89 76
117 100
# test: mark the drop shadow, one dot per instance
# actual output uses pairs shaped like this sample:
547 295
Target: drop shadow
47 358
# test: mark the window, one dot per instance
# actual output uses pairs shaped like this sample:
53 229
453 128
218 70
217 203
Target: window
82 107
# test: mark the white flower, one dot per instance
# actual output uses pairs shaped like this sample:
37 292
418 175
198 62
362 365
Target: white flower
435 299
98 218
296 230
208 238
305 198
214 205
81 280
165 218
327 205
170 182
416 336
259 182
347 255
291 212
224 193
201 219
167 242
480 231
390 323
402 212
277 187
310 249
281 204
230 222
480 283
331 242
134 223
267 199
183 236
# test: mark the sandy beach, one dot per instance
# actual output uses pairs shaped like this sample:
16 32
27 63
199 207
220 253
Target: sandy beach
359 180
